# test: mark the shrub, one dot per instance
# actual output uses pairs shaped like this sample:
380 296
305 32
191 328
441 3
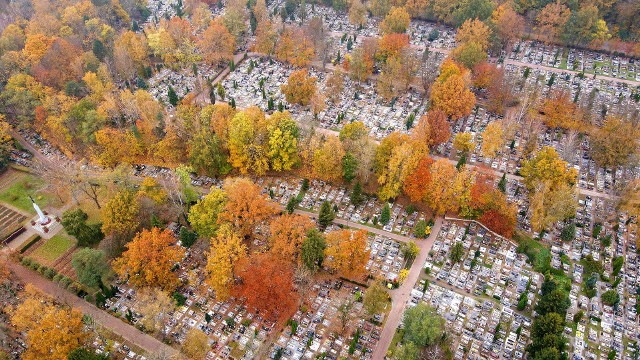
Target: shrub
32 240
179 298
65 281
568 232
34 266
49 273
26 261
73 287
610 298
42 269
58 277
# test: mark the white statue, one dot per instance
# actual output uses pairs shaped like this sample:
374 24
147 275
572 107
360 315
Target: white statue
42 218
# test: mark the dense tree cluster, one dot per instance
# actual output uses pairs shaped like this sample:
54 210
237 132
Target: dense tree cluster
547 339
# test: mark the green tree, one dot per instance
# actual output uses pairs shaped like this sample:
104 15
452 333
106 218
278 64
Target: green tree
568 232
85 354
375 298
457 252
349 167
422 325
356 194
617 265
502 185
410 250
473 9
556 301
578 316
385 214
220 91
610 297
420 230
90 266
326 215
312 251
173 97
206 154
522 301
407 351
75 223
187 238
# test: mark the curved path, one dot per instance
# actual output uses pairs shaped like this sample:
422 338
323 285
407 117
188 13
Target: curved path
146 342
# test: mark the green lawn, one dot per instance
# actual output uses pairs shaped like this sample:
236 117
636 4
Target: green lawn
51 250
538 254
18 193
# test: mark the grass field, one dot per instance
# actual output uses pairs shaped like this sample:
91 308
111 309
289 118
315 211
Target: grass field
538 254
53 248
17 194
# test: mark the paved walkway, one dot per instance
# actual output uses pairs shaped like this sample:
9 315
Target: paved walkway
400 296
130 333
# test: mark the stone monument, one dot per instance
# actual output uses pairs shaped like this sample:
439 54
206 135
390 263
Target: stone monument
43 219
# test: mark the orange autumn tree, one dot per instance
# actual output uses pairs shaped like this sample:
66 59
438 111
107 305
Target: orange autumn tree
559 111
294 47
435 127
246 206
491 208
440 192
52 332
300 87
216 43
149 260
392 44
346 253
483 74
267 285
417 182
450 93
287 235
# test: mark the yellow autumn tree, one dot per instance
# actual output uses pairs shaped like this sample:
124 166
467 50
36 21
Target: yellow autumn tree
196 344
203 216
440 194
151 189
283 141
463 142
547 167
120 213
492 139
52 332
226 249
461 188
154 305
347 253
115 147
248 150
403 161
396 21
327 160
